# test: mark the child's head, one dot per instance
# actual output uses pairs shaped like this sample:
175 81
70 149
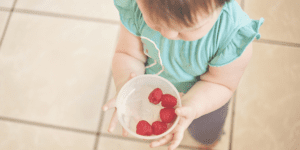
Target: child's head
181 19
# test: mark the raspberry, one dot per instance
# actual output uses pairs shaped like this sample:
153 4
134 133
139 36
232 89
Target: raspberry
159 127
167 115
155 96
143 128
168 101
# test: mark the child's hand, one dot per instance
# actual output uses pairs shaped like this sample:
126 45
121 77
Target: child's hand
187 114
112 104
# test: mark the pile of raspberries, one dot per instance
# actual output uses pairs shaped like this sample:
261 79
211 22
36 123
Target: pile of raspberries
167 114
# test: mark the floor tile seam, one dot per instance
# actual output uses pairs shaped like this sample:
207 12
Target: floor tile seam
7 23
232 121
107 92
274 42
5 9
66 16
105 98
45 125
113 136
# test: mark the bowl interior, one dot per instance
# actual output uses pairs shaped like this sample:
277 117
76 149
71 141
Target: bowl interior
133 104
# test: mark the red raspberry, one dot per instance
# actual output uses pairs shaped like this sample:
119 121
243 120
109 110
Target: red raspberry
143 128
159 127
167 115
155 96
168 101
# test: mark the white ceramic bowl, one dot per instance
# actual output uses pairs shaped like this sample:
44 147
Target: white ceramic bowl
133 105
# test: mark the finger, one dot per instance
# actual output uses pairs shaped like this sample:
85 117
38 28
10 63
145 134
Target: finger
127 120
136 116
125 133
162 141
110 104
178 136
113 122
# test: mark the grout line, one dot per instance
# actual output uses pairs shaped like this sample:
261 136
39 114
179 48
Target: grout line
104 101
46 125
65 16
4 9
101 111
278 43
232 120
7 23
140 140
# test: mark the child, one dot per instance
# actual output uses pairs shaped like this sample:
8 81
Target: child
201 46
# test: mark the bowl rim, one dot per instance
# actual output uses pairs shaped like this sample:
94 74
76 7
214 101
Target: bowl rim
152 136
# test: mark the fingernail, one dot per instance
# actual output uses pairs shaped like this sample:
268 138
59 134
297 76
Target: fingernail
177 112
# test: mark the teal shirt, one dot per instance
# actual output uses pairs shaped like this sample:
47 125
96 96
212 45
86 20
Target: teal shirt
181 62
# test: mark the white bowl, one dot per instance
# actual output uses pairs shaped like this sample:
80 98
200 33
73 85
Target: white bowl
133 105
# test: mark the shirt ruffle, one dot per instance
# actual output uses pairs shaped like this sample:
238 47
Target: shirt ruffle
237 42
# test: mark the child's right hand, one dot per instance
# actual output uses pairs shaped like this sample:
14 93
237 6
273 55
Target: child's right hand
112 104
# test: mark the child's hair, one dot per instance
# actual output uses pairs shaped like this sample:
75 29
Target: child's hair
182 12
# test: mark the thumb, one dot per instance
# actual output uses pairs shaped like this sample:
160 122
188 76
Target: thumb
183 111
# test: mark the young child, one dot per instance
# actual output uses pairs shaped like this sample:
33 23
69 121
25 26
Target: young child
201 46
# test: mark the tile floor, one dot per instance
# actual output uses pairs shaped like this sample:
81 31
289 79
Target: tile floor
55 76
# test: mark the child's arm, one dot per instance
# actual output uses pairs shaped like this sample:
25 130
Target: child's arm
128 57
218 84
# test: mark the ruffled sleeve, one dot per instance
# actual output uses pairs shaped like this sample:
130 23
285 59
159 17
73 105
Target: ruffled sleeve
236 43
130 15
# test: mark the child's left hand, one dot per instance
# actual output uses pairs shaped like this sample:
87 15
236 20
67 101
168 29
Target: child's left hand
187 114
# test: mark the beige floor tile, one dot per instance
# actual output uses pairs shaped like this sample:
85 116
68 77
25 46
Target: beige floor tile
6 3
55 70
15 136
103 9
282 18
3 20
121 144
267 104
